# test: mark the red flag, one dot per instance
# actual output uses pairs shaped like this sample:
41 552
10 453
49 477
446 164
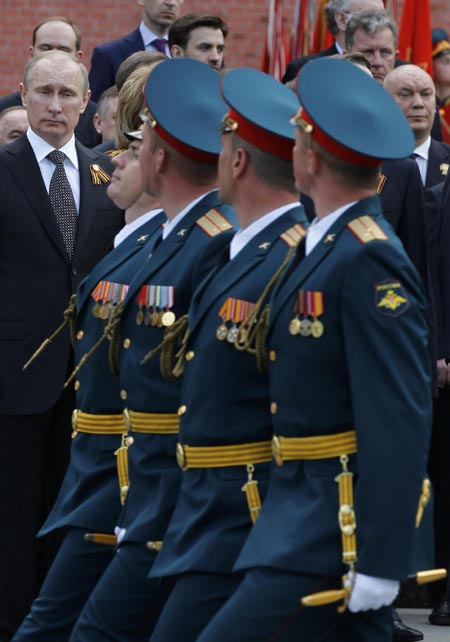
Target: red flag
300 29
274 61
414 41
322 37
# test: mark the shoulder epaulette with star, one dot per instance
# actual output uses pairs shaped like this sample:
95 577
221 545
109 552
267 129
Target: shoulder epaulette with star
366 229
293 235
214 223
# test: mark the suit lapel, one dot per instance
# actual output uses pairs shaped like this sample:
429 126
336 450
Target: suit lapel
438 163
25 169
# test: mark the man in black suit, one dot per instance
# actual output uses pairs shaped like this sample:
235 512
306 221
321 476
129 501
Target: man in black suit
151 34
413 90
337 14
59 32
39 270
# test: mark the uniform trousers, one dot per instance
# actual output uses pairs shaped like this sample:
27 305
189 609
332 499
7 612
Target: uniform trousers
195 599
67 587
34 451
266 608
125 604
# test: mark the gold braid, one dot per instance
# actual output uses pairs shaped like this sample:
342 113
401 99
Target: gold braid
252 332
108 331
69 317
179 330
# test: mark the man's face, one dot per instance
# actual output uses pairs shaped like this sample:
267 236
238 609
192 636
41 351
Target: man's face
379 49
206 45
55 35
106 125
159 14
12 125
441 67
54 98
126 181
413 90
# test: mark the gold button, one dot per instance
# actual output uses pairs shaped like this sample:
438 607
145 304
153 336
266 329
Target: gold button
123 394
129 441
272 355
126 343
76 385
190 355
181 410
80 335
273 408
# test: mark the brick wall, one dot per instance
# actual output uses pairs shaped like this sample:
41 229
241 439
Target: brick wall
104 20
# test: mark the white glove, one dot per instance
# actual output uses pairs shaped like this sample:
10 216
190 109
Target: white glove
119 533
371 592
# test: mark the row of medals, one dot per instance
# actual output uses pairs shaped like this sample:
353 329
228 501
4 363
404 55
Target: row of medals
306 328
102 310
155 317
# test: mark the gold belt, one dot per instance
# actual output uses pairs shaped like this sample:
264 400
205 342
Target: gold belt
151 423
97 424
318 447
221 456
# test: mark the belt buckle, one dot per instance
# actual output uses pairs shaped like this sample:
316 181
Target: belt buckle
126 418
74 423
276 450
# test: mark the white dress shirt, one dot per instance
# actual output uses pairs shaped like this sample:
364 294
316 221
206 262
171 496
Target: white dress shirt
148 36
422 153
320 226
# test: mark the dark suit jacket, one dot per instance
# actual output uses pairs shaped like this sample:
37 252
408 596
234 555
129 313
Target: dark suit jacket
36 277
85 131
294 66
439 155
106 60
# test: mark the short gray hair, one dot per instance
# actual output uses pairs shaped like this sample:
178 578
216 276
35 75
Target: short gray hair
56 53
331 8
370 22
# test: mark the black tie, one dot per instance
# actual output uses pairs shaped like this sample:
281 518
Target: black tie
63 202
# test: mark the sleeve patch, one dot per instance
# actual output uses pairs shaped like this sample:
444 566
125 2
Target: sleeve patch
214 223
366 229
391 298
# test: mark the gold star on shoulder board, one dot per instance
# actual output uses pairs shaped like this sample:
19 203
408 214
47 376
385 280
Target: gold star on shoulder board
264 246
329 238
182 232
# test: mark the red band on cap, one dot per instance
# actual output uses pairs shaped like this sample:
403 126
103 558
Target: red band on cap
262 138
336 148
191 152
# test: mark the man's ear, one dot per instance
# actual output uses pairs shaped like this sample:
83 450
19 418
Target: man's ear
176 51
23 94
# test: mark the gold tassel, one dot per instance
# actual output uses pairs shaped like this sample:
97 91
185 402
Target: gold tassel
423 500
100 538
252 494
167 346
98 175
347 519
69 316
122 467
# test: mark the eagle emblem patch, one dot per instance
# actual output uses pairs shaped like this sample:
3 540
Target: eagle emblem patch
391 298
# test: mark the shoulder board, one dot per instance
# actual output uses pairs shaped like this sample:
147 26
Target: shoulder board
293 235
214 223
366 229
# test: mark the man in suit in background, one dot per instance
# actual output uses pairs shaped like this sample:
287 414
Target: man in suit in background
199 36
59 32
56 223
13 123
151 34
337 13
413 90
